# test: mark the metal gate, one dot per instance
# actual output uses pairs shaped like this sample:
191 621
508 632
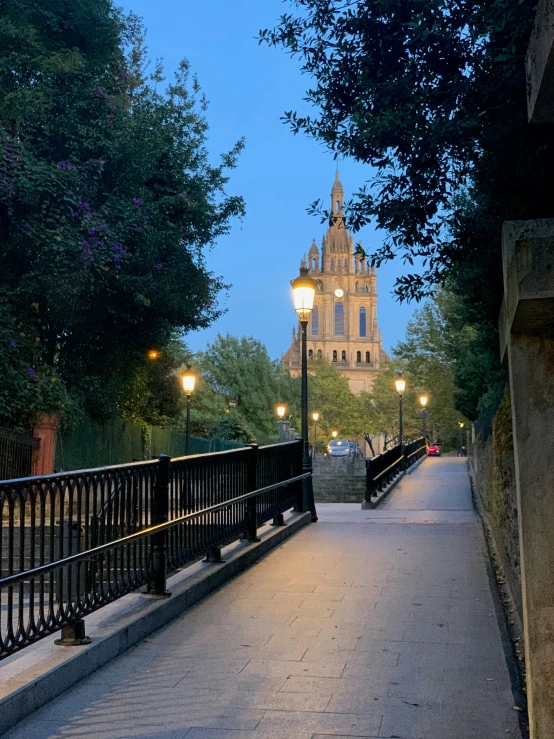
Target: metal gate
16 454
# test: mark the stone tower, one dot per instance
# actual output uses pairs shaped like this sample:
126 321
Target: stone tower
343 327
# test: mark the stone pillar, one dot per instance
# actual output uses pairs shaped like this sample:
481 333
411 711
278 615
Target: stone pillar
46 430
527 338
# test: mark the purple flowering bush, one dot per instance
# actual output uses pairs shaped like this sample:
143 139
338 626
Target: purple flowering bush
107 205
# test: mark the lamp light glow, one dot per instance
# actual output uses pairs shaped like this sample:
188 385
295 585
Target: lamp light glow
315 416
153 354
281 410
334 434
400 384
303 293
189 381
423 400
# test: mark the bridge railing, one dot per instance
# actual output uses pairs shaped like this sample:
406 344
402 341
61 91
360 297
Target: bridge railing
384 468
73 542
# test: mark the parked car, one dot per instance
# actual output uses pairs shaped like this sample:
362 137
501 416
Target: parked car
434 450
339 448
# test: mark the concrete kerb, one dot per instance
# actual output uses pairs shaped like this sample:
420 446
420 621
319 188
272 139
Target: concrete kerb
33 677
414 467
370 505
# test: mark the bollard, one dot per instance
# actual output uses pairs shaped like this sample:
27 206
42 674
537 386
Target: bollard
214 556
73 635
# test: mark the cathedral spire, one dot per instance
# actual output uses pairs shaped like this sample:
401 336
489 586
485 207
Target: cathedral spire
337 195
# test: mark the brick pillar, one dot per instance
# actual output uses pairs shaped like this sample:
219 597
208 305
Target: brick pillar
46 430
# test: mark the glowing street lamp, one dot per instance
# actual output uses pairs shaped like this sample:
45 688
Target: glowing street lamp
153 354
189 381
303 294
423 399
400 385
281 410
334 434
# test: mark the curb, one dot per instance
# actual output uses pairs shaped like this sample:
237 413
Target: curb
371 504
414 467
507 614
43 671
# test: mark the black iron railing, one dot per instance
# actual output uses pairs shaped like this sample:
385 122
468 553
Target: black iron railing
384 468
16 453
74 542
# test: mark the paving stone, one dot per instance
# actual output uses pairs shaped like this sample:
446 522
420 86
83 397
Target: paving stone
370 624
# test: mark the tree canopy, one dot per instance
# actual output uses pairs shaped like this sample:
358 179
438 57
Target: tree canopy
108 202
430 94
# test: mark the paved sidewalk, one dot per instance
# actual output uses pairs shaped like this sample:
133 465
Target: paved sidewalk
367 624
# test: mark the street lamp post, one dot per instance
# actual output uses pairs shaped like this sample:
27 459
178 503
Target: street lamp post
189 381
424 400
315 416
303 290
400 384
282 425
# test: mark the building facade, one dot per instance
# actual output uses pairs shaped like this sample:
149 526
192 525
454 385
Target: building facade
343 327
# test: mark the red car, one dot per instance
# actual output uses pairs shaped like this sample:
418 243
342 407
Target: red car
433 451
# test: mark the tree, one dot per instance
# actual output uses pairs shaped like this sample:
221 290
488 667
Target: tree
107 203
153 395
232 428
430 354
381 408
330 395
423 91
207 407
241 371
430 94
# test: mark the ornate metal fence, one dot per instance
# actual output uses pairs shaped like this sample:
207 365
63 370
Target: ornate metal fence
16 453
73 542
384 468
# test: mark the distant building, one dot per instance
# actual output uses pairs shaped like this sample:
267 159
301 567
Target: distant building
343 327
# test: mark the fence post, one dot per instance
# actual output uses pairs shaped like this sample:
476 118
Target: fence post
160 514
251 514
299 507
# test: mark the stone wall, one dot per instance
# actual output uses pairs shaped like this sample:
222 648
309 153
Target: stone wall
492 463
339 479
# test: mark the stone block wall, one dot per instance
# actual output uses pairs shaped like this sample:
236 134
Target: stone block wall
492 463
339 479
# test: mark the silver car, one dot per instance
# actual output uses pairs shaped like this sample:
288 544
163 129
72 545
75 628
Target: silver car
339 448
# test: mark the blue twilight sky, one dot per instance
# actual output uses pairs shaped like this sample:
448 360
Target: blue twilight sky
279 175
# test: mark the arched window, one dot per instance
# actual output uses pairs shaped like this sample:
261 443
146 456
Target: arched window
334 355
314 263
338 205
339 319
319 354
358 357
344 356
363 322
315 321
367 357
346 264
332 265
367 288
310 354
